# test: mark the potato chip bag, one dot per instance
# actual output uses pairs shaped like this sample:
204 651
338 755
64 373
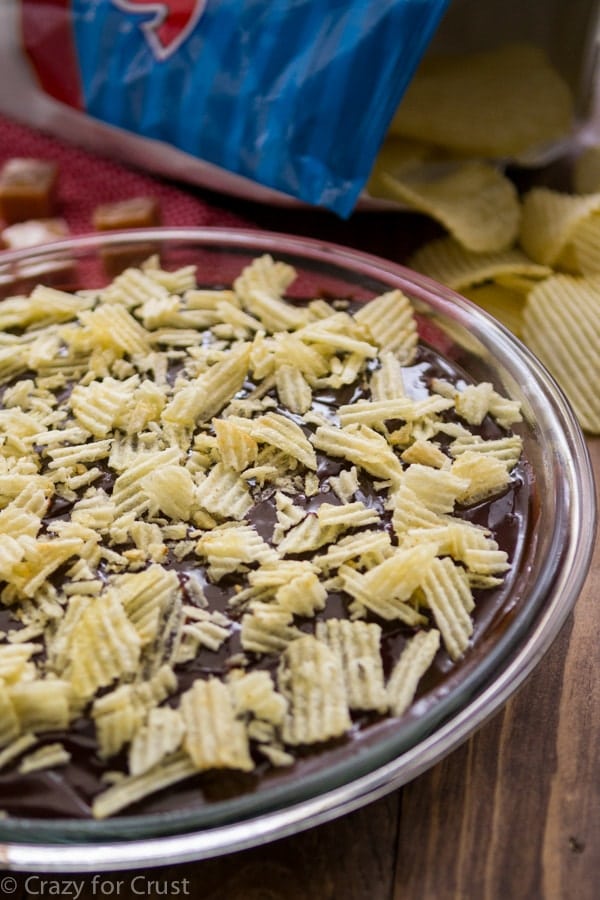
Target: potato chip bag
295 97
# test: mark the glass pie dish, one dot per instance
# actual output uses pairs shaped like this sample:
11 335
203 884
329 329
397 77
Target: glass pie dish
554 550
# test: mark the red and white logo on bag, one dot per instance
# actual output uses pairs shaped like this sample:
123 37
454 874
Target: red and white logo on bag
172 21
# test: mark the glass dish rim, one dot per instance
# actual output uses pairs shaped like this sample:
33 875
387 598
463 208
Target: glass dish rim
328 803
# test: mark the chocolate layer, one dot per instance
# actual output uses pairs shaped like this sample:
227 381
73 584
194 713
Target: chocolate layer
69 791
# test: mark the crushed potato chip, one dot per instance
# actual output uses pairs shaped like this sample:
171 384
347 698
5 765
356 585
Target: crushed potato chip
134 787
159 737
213 737
356 646
310 678
414 661
184 511
390 321
448 595
46 757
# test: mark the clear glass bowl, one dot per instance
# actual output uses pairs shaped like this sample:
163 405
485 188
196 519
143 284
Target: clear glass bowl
552 565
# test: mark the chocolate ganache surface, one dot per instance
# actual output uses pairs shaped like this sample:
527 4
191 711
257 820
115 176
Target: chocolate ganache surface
68 790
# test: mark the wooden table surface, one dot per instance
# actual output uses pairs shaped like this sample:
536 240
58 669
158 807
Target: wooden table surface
513 814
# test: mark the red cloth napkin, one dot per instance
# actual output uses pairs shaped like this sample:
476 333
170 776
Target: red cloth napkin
86 180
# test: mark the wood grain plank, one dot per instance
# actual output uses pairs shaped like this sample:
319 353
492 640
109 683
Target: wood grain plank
470 827
571 851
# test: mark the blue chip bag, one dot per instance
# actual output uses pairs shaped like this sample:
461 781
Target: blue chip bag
296 95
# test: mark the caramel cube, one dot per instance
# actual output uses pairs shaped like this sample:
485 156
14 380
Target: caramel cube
27 189
135 212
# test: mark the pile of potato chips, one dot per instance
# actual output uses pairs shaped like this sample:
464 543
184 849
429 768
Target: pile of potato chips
534 261
201 405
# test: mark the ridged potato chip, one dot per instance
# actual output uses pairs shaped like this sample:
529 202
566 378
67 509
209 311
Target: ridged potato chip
117 715
146 596
199 401
354 546
394 154
387 381
414 661
448 595
310 678
285 435
254 693
98 405
293 389
188 514
171 489
132 287
230 547
214 738
450 263
236 447
41 560
161 736
10 727
549 220
104 624
114 328
585 241
15 748
357 648
475 202
391 322
562 326
14 659
486 475
437 489
339 333
223 493
268 630
348 515
493 103
425 453
310 534
260 287
410 511
46 757
361 446
128 495
135 787
387 587
41 705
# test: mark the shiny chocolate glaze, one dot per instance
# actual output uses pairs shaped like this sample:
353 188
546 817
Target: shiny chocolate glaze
69 791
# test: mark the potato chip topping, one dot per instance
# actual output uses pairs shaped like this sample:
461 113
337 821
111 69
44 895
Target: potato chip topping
140 430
